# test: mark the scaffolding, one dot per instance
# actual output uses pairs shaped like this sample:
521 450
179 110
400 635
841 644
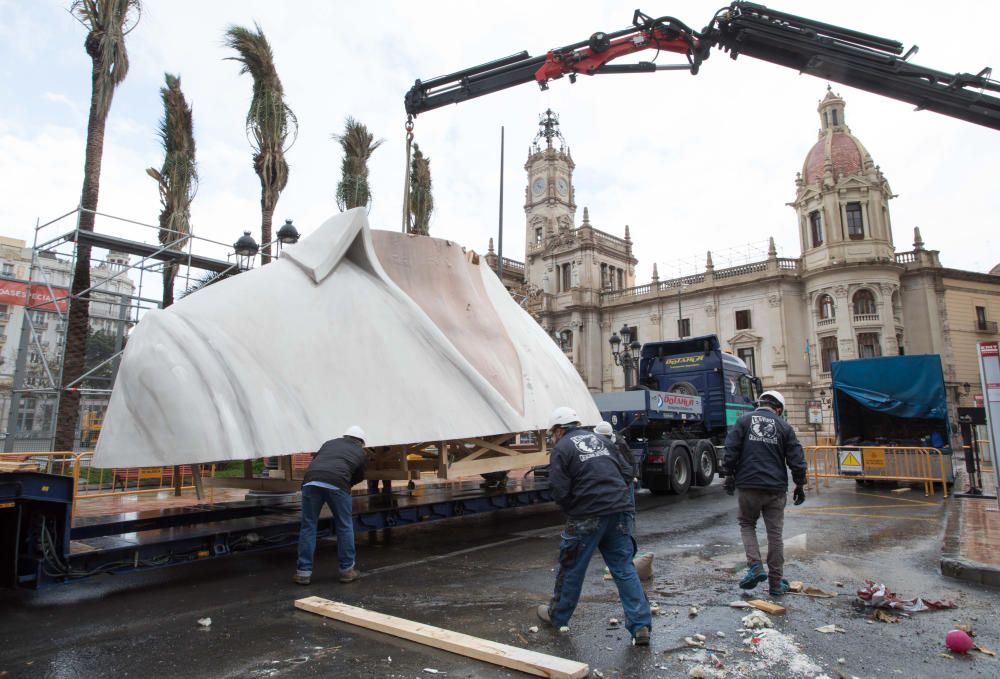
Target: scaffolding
117 303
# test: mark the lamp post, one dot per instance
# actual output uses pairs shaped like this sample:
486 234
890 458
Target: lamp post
628 356
287 235
246 249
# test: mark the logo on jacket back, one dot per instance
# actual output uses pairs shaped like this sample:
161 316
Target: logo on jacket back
763 429
589 446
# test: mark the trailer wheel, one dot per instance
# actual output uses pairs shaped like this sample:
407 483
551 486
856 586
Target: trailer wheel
680 470
705 463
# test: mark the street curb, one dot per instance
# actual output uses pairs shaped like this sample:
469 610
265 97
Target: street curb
952 564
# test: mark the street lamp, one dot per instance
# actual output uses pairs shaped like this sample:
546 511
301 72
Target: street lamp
628 356
246 249
287 235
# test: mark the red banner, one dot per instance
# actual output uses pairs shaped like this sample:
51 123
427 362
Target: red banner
16 292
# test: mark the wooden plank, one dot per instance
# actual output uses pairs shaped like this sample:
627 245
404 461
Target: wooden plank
274 485
497 464
531 662
767 607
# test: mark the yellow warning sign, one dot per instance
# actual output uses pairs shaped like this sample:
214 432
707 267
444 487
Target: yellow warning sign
850 461
874 458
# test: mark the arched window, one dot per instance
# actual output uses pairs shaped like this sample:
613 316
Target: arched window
897 308
566 340
826 308
864 303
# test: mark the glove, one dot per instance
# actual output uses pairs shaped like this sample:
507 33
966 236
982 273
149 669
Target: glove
730 484
799 496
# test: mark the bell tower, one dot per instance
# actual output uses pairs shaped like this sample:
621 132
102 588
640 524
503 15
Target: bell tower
549 201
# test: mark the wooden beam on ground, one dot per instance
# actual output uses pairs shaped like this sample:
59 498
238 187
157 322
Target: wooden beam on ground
768 607
496 464
531 662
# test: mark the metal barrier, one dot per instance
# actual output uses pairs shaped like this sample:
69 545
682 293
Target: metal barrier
90 481
879 463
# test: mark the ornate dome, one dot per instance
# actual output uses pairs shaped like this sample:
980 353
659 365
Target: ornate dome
836 150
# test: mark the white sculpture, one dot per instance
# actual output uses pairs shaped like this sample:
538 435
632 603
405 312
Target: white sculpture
407 336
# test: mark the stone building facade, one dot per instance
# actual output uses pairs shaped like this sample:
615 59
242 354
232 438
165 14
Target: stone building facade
850 294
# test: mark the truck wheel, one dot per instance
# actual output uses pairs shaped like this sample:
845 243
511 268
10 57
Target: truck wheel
705 463
680 470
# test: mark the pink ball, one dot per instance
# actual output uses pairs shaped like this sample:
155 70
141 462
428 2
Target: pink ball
958 641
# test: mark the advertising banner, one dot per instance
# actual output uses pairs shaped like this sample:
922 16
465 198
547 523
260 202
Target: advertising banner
17 293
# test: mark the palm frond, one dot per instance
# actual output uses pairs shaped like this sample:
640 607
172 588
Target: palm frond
358 144
107 23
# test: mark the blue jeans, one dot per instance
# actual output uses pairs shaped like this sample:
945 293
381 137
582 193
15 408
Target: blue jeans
339 502
612 534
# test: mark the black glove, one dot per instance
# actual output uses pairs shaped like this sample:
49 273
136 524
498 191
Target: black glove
799 496
730 484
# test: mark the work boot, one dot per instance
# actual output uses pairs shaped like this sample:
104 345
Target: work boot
779 588
543 613
754 576
301 579
641 637
350 576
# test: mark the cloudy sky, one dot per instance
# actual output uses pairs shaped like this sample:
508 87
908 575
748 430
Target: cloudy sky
690 163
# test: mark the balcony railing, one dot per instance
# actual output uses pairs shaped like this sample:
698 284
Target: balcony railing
742 270
906 257
823 322
865 318
989 327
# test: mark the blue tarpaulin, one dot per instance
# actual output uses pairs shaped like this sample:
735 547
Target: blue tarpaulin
903 386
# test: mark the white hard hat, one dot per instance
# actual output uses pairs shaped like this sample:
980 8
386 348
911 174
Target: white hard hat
604 428
357 432
561 416
776 395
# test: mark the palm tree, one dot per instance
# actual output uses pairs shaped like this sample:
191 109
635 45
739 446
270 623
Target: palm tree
358 145
107 23
271 125
421 200
177 179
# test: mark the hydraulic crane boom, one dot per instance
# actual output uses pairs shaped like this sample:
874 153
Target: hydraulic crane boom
860 60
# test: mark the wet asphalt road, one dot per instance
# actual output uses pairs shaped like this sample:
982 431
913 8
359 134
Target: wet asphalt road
485 575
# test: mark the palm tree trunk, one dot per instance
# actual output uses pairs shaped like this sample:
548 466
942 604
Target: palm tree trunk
266 214
74 359
169 273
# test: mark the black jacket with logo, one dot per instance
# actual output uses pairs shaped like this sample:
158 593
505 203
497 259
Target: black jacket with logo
339 462
758 449
587 477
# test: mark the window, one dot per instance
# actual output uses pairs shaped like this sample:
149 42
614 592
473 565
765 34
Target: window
855 224
621 279
816 228
566 277
746 355
981 317
833 117
864 303
743 319
604 276
826 308
26 415
538 235
828 352
4 309
868 345
8 269
683 327
899 344
566 340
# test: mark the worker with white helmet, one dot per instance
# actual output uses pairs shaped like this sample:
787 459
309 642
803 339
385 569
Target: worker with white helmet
760 447
339 465
620 445
590 483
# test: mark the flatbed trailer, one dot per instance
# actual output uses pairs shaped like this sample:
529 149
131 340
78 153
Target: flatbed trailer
42 545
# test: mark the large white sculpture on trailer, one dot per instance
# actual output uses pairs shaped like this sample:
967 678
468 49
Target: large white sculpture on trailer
408 336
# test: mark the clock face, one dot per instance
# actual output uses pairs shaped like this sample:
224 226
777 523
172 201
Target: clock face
561 186
538 186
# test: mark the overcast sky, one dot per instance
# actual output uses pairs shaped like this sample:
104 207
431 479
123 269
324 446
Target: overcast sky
691 163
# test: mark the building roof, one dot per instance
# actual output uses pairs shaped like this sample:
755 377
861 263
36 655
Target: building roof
844 151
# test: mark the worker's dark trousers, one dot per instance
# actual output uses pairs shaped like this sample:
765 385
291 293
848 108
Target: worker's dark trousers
754 503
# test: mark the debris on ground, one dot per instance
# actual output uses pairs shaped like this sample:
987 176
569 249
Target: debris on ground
967 629
772 648
904 489
654 608
880 596
721 635
694 643
431 670
767 607
739 604
205 622
830 629
644 565
564 628
883 615
985 651
613 622
757 620
795 586
838 583
817 593
533 629
958 641
693 611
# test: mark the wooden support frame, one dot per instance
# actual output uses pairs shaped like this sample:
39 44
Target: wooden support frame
531 662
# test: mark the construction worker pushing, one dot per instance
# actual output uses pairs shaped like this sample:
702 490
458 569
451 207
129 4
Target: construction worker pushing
759 448
590 483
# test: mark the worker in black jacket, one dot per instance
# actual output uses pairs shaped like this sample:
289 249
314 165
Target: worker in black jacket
758 449
590 482
339 465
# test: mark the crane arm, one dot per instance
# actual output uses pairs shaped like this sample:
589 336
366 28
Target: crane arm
842 55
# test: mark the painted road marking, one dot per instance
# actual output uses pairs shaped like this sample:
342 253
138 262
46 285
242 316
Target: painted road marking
895 517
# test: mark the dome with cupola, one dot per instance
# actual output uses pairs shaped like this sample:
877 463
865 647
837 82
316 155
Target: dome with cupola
837 153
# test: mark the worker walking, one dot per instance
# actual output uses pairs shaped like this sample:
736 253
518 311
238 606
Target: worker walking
590 483
339 465
759 447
